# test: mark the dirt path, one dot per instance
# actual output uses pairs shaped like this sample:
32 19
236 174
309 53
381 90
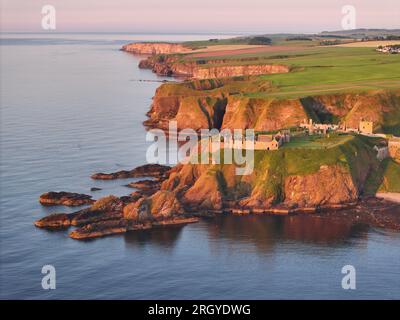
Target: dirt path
390 196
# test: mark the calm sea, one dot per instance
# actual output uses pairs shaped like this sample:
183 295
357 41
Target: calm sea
70 106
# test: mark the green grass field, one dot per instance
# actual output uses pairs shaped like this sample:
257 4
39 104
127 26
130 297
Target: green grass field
318 142
320 70
336 69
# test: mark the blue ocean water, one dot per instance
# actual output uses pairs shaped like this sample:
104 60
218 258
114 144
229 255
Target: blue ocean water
70 106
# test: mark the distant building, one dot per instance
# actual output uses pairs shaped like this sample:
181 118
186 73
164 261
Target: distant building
267 142
366 127
318 127
262 142
389 48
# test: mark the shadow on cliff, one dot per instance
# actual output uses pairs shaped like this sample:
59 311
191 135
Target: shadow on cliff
318 111
375 179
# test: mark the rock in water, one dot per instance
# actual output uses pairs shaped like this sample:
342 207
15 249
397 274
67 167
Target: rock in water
147 170
65 198
113 215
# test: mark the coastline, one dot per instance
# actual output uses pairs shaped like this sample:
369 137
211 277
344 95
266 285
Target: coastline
180 193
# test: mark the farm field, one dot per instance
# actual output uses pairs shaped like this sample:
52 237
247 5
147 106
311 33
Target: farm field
369 44
316 70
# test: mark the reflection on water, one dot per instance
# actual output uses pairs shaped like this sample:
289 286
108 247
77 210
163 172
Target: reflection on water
264 231
165 237
322 230
261 231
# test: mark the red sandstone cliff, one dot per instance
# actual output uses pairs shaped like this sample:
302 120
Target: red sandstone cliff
219 104
210 188
173 66
234 71
155 48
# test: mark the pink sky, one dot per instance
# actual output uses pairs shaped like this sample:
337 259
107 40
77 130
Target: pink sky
261 16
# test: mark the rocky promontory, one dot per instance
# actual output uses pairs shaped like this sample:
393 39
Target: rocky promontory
285 181
188 192
112 215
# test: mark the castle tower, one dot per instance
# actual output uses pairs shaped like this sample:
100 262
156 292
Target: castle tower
366 127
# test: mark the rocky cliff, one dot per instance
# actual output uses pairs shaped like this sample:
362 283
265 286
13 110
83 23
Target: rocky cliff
173 65
229 103
381 107
286 179
155 48
234 71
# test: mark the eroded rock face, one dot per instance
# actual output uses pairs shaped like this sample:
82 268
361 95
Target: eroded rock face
138 210
155 48
146 187
109 203
65 198
204 194
330 185
200 113
234 71
164 204
262 114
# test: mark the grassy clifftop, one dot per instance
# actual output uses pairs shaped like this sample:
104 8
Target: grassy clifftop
250 104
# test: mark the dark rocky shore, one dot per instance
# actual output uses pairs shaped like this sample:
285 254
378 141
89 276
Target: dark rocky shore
152 206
